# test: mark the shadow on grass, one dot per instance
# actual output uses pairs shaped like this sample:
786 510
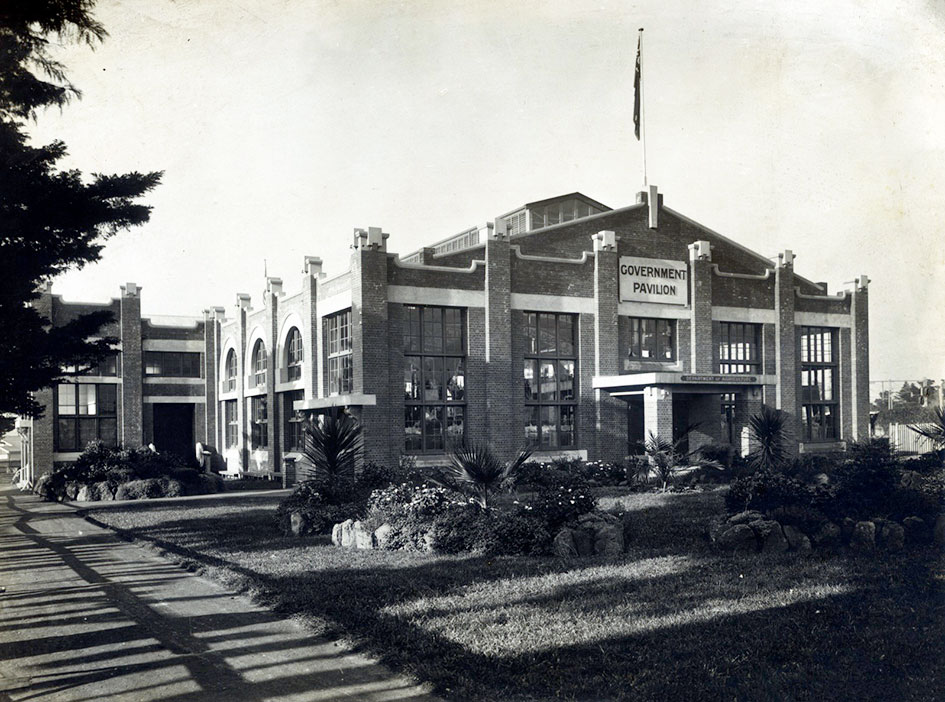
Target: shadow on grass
669 620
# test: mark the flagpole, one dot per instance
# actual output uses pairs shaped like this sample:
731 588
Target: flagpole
642 107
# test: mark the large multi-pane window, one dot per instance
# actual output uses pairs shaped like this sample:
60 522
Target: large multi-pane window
819 383
110 365
652 339
258 422
260 364
173 364
434 377
230 371
85 412
231 423
340 362
293 355
291 421
739 348
550 375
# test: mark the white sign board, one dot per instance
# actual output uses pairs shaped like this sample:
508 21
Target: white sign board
654 280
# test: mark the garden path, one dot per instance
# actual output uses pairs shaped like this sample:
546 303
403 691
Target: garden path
87 616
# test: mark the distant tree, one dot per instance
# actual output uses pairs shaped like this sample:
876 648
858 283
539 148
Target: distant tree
50 220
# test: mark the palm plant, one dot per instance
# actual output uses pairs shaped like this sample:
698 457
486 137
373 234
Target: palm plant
476 470
664 456
332 447
934 430
770 429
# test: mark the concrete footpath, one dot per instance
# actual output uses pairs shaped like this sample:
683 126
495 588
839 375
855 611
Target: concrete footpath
86 616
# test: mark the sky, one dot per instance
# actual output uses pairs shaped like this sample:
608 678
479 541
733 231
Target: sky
281 125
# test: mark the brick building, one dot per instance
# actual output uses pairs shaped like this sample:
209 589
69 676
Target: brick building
563 324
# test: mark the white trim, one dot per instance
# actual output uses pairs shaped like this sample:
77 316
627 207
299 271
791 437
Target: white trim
80 379
257 334
653 309
415 295
335 303
292 384
471 268
65 455
822 319
746 276
169 321
173 345
254 391
550 259
842 295
748 315
553 303
355 399
161 380
292 319
177 399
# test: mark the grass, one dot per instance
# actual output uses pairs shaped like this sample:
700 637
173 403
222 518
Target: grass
669 620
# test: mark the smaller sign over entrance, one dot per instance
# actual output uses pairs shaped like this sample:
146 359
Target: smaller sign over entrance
653 280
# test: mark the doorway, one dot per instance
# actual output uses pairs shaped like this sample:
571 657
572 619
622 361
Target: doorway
174 430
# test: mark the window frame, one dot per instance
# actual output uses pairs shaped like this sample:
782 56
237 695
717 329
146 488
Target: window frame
258 422
231 424
80 421
537 405
637 335
339 352
817 343
231 371
294 355
164 361
435 343
734 342
260 364
292 422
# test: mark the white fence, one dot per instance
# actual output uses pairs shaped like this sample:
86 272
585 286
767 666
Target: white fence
902 438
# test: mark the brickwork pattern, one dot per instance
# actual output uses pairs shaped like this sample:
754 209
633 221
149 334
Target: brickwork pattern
845 385
860 364
499 371
611 430
787 347
700 297
131 394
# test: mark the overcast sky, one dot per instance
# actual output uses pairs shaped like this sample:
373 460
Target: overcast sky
283 124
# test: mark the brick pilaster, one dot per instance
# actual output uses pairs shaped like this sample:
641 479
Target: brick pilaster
129 326
41 434
860 359
786 344
700 298
658 412
500 375
273 368
611 413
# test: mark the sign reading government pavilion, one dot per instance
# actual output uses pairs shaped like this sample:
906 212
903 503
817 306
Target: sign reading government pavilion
653 280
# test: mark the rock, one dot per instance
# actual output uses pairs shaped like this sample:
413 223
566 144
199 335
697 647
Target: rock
563 544
298 524
363 538
916 529
583 542
820 479
336 533
910 479
382 535
863 537
938 531
716 528
84 494
745 517
347 533
72 490
796 539
608 540
892 536
829 535
846 528
739 538
771 536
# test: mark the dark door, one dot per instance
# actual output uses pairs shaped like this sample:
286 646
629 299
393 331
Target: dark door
681 421
174 430
635 426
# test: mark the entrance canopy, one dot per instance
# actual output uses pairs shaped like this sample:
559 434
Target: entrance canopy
351 400
693 383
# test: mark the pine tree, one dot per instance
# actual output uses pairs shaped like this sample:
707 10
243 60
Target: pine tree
51 220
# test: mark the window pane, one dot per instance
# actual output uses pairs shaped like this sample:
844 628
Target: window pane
108 400
413 431
67 434
566 427
666 339
546 333
432 379
648 338
433 428
455 424
411 377
453 326
412 329
531 380
531 333
547 382
455 380
152 363
88 431
108 431
566 335
566 380
172 365
86 399
531 426
549 427
67 396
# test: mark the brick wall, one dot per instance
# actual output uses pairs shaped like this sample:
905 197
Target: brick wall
131 368
500 378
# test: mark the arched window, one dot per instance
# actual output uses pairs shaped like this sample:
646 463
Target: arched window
259 363
293 355
230 379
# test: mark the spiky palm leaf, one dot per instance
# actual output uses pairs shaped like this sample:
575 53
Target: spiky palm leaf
332 447
476 470
770 429
935 430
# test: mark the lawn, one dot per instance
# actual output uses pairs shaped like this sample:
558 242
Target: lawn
671 619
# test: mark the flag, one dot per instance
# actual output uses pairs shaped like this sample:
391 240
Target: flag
636 90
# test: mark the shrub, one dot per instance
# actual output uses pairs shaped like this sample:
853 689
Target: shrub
865 482
103 490
320 516
459 529
723 454
373 476
476 470
558 506
140 489
770 429
607 474
514 533
332 447
539 475
766 491
927 462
